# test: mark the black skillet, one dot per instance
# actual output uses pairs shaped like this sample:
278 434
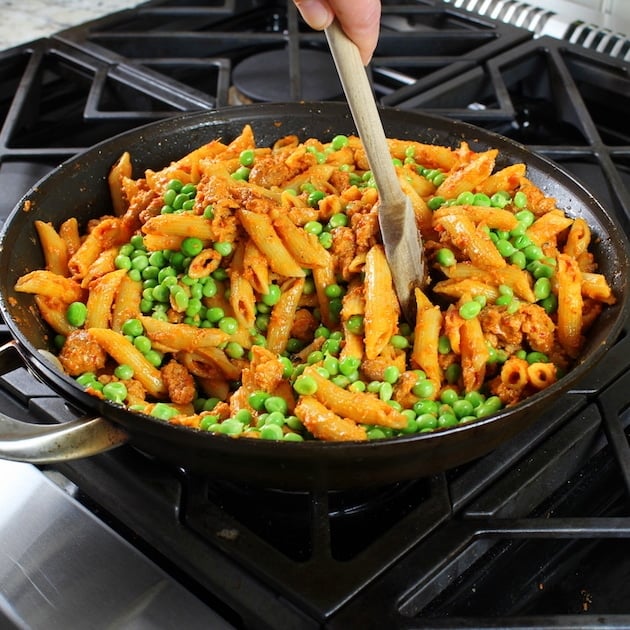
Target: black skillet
79 188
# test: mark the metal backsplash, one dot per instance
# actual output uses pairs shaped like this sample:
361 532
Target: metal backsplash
605 28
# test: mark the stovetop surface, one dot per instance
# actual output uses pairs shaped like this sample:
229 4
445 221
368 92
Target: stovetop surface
529 536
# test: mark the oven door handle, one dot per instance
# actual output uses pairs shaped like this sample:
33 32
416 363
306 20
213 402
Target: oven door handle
46 444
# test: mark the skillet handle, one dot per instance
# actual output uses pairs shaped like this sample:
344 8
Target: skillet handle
46 444
49 443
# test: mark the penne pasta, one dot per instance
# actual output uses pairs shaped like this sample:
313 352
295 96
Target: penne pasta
381 305
125 353
244 290
54 247
262 233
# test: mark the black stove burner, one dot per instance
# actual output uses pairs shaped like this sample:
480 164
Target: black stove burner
268 76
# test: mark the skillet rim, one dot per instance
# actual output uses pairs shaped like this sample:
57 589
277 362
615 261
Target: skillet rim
197 120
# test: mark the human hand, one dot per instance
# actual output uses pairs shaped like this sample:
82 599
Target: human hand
360 21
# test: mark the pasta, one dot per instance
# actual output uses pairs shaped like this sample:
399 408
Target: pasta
244 291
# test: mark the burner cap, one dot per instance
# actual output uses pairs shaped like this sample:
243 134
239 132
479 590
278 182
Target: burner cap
265 76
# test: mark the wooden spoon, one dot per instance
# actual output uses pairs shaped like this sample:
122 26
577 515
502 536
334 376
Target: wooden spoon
401 237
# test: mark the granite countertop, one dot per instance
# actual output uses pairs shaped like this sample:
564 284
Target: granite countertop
22 21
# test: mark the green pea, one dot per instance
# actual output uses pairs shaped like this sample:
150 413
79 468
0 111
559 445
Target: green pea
76 314
333 291
179 201
376 433
533 252
339 142
191 246
322 331
272 296
294 345
189 189
122 262
447 420
520 199
355 324
331 365
246 157
426 421
465 198
241 173
475 398
449 396
276 404
452 373
519 230
142 343
154 357
209 287
391 374
481 199
521 241
175 184
169 196
210 404
159 293
500 199
338 219
228 325
209 423
537 357
234 350
444 345
542 288
445 257
86 379
399 342
435 202
231 426
526 217
491 405
314 227
470 310
332 346
506 249
325 240
462 408
271 432
115 391
349 365
518 259
305 385
215 314
137 241
123 371
179 297
340 380
550 304
314 198
292 437
309 286
540 270
423 389
223 248
438 180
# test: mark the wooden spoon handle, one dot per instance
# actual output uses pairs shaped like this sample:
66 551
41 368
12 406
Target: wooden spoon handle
365 113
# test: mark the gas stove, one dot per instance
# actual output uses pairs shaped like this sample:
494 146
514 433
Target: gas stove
534 535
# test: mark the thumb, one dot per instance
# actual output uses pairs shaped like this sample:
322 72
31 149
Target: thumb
316 13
